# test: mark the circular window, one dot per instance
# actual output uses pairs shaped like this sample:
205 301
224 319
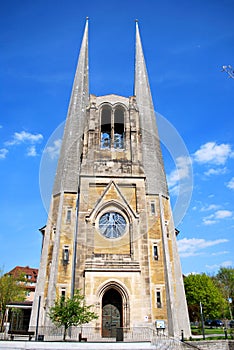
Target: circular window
112 225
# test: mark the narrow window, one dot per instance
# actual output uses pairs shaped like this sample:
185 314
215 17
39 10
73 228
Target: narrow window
54 231
106 127
63 294
68 219
65 255
152 208
158 299
119 128
155 252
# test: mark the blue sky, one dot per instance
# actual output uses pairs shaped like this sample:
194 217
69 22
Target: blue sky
186 43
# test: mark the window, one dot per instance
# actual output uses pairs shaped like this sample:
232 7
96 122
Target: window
106 127
65 255
68 219
119 128
53 232
63 293
158 299
112 127
112 225
155 252
152 208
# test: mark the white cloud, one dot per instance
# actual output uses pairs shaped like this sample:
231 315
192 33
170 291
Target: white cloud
215 217
182 172
54 150
223 264
231 184
23 137
194 246
210 207
212 267
31 151
213 153
222 214
174 191
3 153
227 263
191 273
218 171
207 221
220 253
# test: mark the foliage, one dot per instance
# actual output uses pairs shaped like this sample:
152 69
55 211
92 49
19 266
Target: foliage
200 288
71 312
225 282
11 289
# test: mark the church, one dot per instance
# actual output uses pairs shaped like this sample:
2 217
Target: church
110 230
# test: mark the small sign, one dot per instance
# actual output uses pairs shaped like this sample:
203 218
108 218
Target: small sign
146 318
160 324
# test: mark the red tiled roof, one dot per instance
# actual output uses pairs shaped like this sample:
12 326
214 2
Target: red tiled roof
29 272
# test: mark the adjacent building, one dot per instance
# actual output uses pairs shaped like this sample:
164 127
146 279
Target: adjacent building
19 312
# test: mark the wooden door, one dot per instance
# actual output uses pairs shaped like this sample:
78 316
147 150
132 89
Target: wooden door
110 320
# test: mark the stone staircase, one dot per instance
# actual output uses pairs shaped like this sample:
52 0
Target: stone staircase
166 343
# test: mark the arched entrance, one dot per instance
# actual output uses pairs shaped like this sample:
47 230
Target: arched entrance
112 312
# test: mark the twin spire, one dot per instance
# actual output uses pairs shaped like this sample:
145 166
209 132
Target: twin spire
81 81
141 76
67 176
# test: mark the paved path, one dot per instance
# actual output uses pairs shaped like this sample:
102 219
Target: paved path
32 345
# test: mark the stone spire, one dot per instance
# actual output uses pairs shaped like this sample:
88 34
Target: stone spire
67 175
151 151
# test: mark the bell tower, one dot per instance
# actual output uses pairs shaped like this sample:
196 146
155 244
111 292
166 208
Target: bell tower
110 230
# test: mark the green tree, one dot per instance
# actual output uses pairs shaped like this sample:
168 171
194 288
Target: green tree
11 289
200 288
72 311
225 281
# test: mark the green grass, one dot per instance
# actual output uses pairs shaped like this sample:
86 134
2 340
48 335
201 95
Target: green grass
219 332
211 338
208 330
214 331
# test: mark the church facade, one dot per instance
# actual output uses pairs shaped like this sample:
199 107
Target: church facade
110 231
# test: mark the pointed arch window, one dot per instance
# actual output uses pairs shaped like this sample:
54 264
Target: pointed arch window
112 127
119 128
106 127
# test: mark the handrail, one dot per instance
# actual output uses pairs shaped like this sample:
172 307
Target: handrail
130 334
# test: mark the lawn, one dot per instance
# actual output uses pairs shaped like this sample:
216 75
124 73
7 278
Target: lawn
214 331
219 332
